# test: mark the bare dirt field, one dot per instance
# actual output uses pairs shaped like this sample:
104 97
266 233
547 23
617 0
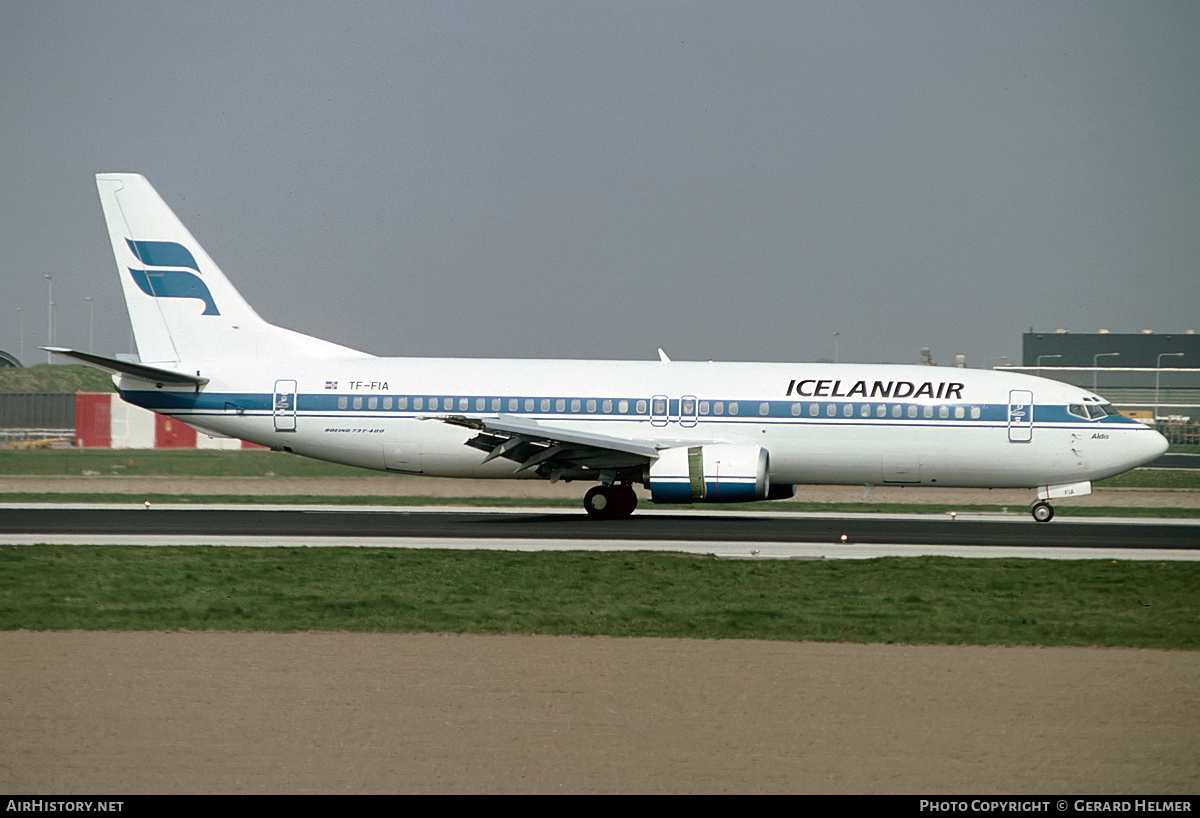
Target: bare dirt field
127 713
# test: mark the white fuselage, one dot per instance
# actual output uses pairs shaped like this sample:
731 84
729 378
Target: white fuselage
690 432
820 423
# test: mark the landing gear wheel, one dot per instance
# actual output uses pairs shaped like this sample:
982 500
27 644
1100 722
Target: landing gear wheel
1043 512
599 502
609 502
626 500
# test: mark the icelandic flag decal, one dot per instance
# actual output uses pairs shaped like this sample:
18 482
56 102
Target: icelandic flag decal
331 384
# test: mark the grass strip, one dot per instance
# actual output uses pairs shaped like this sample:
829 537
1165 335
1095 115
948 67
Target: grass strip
928 600
155 462
1154 479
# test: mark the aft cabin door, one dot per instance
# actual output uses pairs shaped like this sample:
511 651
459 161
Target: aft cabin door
284 404
1020 416
687 410
659 410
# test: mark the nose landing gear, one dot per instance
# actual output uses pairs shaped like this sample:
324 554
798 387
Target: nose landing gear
1043 512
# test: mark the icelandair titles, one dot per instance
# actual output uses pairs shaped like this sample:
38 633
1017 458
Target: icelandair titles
811 388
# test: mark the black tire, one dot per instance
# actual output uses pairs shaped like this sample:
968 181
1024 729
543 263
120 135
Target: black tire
627 500
609 502
1043 512
599 502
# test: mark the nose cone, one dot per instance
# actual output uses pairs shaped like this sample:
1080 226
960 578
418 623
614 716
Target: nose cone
1156 447
1144 447
1136 447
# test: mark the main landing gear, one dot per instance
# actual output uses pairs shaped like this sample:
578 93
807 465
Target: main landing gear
610 502
1043 512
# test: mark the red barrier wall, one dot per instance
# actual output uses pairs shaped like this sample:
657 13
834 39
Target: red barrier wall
93 420
173 434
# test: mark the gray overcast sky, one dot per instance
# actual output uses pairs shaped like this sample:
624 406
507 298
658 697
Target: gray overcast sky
735 181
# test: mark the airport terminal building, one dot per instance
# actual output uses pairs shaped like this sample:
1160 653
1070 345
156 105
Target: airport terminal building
1152 376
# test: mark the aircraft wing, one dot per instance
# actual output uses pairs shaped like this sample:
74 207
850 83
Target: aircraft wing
557 452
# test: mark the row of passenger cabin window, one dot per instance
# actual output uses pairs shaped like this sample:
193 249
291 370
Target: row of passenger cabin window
849 410
882 410
422 404
687 407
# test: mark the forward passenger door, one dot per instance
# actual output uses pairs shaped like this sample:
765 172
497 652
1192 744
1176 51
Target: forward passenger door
1020 416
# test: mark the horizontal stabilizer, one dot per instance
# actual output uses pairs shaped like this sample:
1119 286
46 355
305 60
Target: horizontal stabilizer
148 373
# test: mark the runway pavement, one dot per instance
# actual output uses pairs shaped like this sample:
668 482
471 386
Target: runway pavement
730 534
1176 461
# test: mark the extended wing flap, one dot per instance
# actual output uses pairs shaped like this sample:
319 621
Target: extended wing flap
558 434
555 451
547 433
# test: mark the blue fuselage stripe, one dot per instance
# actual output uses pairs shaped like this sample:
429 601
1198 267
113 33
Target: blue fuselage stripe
323 405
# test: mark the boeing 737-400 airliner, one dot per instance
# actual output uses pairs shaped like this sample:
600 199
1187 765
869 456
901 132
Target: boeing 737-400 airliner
689 432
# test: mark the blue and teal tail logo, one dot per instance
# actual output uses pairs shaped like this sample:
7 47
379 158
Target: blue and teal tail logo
175 283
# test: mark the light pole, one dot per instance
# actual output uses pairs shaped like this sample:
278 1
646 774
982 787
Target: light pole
49 313
836 339
1157 372
91 323
1096 364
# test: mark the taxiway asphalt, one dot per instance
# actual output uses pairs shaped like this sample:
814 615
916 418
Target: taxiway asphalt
741 534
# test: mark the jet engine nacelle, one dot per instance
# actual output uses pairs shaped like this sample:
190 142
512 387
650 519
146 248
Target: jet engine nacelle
715 473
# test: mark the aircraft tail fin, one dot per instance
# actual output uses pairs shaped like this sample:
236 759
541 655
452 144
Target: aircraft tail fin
180 304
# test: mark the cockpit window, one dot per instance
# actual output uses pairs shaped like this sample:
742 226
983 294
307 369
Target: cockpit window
1091 411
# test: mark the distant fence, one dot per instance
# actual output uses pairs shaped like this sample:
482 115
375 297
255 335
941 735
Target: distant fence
1181 433
37 411
18 438
100 420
